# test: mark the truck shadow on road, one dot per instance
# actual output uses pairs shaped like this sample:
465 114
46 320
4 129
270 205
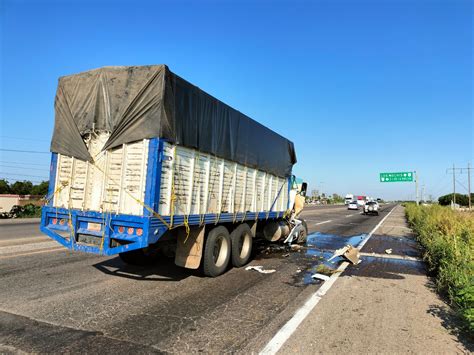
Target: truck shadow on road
163 270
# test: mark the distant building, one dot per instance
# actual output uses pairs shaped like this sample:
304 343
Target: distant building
8 201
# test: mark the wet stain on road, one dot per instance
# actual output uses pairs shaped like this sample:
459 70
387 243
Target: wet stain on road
377 267
311 258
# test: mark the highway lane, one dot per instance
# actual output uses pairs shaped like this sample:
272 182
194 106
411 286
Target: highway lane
82 302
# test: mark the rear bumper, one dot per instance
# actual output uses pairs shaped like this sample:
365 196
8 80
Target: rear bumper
95 232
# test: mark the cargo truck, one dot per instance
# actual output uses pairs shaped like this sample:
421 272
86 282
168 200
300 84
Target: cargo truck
145 163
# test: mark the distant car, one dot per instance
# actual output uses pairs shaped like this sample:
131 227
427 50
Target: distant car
353 205
371 207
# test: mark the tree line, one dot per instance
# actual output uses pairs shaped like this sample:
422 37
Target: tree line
462 200
23 188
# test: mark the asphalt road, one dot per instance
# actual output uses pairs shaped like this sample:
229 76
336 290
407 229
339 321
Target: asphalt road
53 300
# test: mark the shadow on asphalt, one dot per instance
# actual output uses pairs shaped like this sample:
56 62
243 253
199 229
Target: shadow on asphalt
163 270
452 322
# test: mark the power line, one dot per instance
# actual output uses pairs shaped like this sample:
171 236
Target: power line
22 167
38 176
24 151
15 162
25 139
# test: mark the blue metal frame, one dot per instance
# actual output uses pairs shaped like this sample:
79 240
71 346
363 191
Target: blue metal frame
153 228
52 177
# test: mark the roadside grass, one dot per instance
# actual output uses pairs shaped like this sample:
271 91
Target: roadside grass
448 241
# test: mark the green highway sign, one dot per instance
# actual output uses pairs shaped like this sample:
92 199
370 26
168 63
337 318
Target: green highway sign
405 176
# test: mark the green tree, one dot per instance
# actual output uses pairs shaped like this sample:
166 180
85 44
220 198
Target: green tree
21 187
4 187
461 200
40 189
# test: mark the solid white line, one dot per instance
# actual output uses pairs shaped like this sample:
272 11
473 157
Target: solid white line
289 328
329 220
392 256
362 243
349 215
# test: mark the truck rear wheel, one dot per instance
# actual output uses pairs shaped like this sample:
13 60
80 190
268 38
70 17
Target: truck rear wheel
303 233
241 240
139 257
216 252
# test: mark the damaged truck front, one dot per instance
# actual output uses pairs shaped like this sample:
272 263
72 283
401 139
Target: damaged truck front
145 162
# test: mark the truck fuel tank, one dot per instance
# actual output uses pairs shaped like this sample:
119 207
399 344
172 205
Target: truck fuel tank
276 230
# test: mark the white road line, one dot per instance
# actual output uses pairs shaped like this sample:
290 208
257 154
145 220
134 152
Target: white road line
32 253
349 215
392 256
329 220
289 328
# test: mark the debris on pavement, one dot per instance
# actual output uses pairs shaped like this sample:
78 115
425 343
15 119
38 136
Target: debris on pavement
348 252
296 247
260 269
388 251
320 277
286 255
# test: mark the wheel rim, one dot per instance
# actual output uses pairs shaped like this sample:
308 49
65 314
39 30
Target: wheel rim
221 250
244 245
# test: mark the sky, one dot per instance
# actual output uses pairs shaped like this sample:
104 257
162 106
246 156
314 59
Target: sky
360 87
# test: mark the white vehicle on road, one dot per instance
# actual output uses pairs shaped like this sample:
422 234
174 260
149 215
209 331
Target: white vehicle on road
371 207
348 199
353 205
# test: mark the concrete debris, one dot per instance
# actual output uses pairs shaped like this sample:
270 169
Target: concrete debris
348 252
286 255
388 251
260 269
298 271
296 247
320 277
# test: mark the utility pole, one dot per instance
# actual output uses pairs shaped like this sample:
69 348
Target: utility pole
461 171
416 188
453 200
454 186
469 184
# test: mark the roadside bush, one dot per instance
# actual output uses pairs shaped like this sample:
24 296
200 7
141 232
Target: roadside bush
448 241
26 211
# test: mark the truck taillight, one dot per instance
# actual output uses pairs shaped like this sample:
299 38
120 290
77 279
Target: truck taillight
121 229
130 230
139 231
55 221
62 221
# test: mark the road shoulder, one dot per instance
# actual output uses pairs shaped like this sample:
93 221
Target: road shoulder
383 305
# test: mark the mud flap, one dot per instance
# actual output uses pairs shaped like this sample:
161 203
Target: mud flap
189 247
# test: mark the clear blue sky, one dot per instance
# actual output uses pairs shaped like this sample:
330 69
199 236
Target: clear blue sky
361 87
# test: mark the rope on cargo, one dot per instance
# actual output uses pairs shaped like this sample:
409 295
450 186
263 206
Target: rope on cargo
103 233
201 215
143 204
56 191
187 228
71 226
276 198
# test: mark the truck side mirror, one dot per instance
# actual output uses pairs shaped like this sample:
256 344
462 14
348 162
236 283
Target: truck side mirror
304 186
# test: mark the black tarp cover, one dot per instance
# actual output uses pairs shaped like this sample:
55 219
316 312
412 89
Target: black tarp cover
138 102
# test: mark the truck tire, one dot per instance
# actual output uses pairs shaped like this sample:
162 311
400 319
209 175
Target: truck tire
241 240
217 252
139 257
303 235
